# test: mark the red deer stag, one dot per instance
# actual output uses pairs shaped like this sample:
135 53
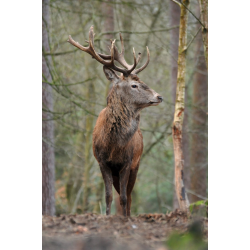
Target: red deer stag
117 139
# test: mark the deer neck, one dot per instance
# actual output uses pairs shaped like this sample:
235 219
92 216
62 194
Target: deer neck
122 120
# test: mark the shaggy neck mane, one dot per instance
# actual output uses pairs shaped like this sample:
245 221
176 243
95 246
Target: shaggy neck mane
121 120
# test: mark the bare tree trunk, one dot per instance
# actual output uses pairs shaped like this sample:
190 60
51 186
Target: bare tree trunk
199 135
48 161
179 110
127 18
186 144
204 19
88 146
174 13
109 25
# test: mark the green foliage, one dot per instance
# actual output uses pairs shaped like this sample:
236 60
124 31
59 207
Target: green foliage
191 240
199 208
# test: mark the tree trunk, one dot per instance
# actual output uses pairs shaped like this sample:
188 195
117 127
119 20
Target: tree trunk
88 144
108 14
186 144
48 161
204 19
126 25
199 135
174 13
179 111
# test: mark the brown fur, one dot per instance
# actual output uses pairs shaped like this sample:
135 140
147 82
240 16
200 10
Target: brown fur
117 139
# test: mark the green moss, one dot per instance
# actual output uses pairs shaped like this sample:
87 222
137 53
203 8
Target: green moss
199 207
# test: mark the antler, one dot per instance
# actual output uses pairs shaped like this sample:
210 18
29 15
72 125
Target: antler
137 71
108 60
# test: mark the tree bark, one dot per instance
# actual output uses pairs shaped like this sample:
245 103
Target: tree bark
174 13
179 111
204 19
199 126
109 24
126 24
90 95
48 161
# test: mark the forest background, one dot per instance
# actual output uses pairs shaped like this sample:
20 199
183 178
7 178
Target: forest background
75 91
21 108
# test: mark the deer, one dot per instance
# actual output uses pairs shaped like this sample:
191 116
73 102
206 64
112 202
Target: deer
117 138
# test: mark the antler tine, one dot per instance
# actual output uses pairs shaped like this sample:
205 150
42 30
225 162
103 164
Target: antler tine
122 45
119 57
137 71
138 58
112 52
135 63
113 55
90 49
76 44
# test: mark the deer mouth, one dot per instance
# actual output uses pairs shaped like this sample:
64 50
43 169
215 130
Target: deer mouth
154 103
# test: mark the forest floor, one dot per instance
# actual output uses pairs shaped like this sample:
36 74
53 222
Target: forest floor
99 232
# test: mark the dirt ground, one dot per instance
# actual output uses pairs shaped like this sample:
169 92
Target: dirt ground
99 232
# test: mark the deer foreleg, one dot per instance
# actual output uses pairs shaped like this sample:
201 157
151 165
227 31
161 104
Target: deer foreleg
124 176
130 186
108 180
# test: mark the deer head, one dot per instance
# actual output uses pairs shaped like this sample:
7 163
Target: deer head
132 91
128 87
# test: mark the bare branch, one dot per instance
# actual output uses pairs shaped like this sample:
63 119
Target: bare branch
177 2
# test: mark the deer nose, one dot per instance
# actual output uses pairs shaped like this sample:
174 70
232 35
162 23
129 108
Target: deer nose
160 98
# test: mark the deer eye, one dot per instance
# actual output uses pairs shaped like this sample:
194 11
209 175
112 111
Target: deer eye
134 86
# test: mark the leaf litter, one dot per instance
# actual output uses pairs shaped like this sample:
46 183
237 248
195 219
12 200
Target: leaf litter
100 232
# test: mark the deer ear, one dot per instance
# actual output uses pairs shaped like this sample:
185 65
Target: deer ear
111 75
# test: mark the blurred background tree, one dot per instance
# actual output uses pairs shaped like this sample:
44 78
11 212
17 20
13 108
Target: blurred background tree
80 88
48 160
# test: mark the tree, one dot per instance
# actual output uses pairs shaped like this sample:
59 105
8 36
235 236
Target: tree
174 14
199 126
204 20
179 109
89 125
48 165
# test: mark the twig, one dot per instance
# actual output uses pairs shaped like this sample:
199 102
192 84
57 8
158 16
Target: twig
138 32
177 2
193 38
60 53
